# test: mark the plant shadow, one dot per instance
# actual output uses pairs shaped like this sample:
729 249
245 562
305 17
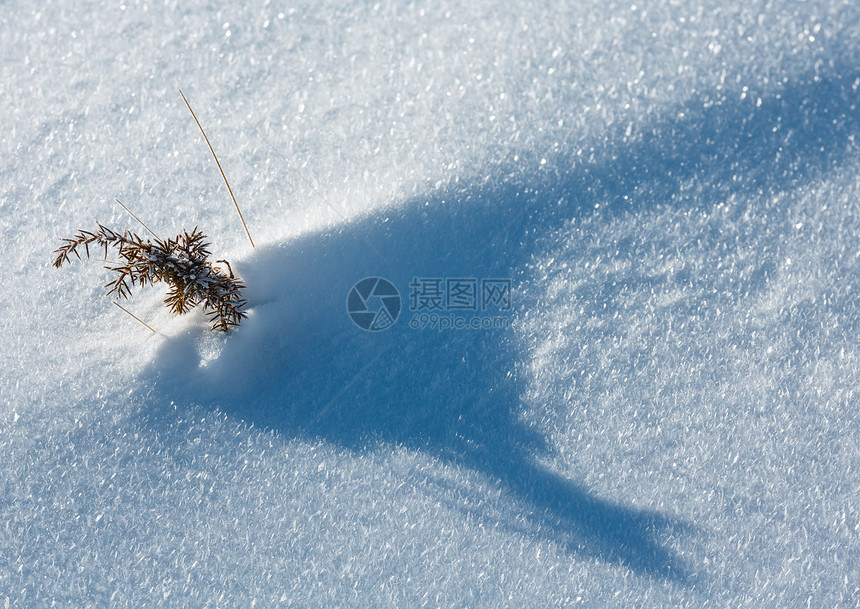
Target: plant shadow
300 366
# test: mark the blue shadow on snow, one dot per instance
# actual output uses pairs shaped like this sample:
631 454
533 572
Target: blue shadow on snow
299 366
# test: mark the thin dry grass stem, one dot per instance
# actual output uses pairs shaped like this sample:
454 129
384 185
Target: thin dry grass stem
134 316
217 162
131 213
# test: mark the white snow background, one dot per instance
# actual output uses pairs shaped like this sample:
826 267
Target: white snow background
671 419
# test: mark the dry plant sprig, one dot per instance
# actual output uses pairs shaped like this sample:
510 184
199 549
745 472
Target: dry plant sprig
180 262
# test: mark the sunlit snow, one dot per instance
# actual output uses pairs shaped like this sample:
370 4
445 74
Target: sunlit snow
663 414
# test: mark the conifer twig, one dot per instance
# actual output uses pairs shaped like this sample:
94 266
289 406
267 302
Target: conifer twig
217 162
181 262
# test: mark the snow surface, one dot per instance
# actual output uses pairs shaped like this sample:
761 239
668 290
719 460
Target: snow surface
669 420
